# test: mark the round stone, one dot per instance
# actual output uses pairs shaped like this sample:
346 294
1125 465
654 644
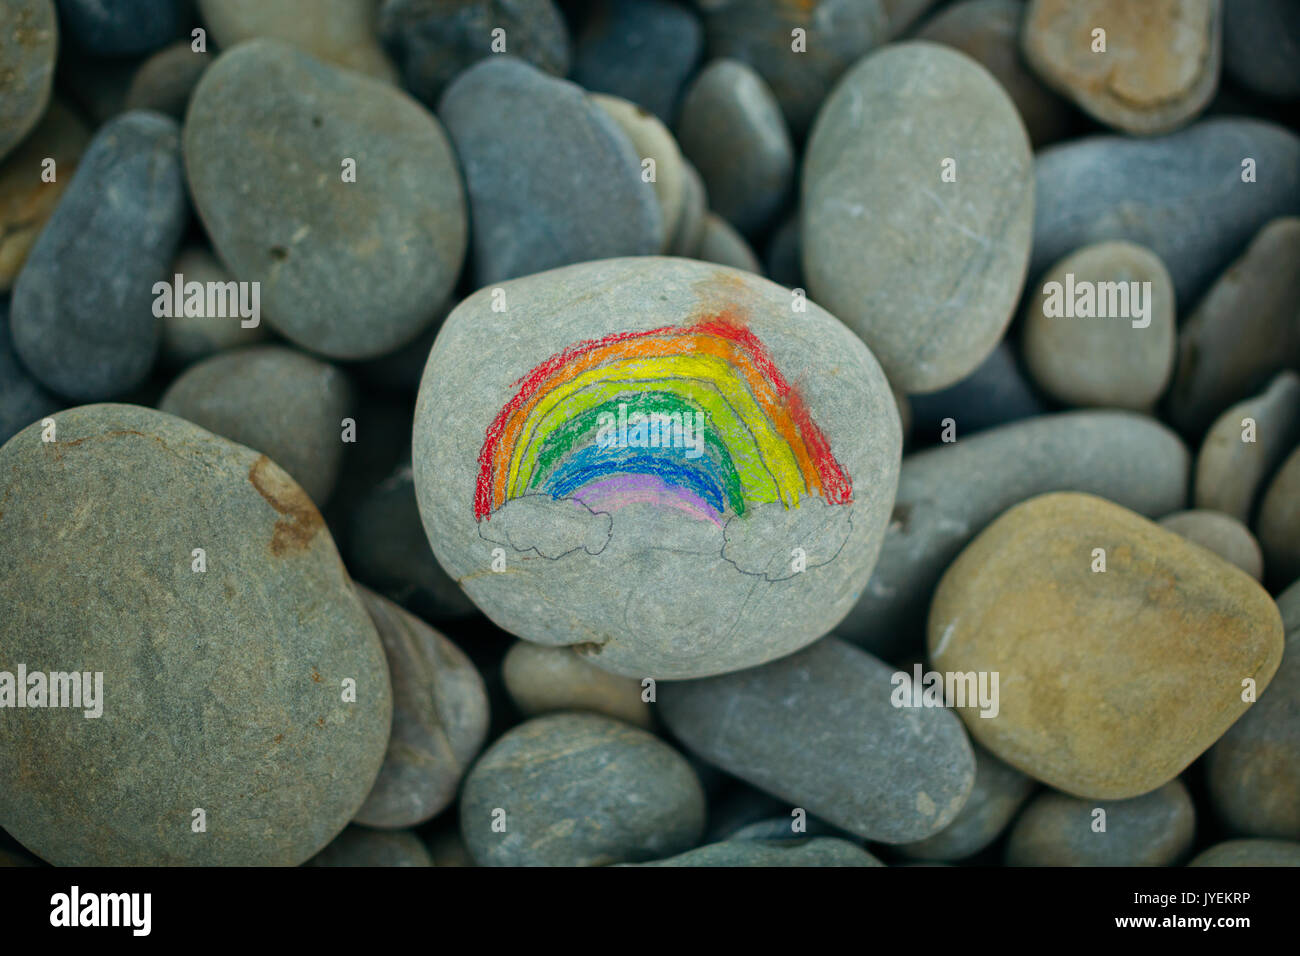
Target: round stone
188 338
918 198
551 178
542 680
1250 853
26 200
1278 525
1099 328
594 464
1223 534
165 81
1244 331
988 31
434 41
245 680
351 217
817 851
1155 829
949 493
579 790
998 792
1153 68
731 128
289 406
1253 771
83 307
823 729
357 846
440 719
1245 445
1086 707
341 32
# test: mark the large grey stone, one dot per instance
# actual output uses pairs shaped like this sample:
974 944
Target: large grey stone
579 790
349 269
927 271
676 560
820 729
948 494
226 691
82 313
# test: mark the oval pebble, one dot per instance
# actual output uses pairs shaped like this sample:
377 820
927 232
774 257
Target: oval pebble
708 573
221 689
440 719
1223 534
1244 447
82 311
1253 772
1155 829
542 680
1099 328
730 127
274 399
1085 708
552 179
1127 458
1244 330
357 846
927 271
1157 68
347 269
1184 196
819 729
998 792
580 790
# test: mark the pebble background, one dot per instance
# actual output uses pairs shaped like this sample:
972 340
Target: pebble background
313 318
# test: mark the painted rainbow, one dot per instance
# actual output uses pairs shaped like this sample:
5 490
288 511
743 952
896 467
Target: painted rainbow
759 444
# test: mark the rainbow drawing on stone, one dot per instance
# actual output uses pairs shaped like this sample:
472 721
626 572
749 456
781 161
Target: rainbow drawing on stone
696 419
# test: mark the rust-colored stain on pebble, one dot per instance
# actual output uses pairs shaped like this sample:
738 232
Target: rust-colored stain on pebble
301 520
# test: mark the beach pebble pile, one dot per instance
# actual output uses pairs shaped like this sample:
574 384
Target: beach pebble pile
735 433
